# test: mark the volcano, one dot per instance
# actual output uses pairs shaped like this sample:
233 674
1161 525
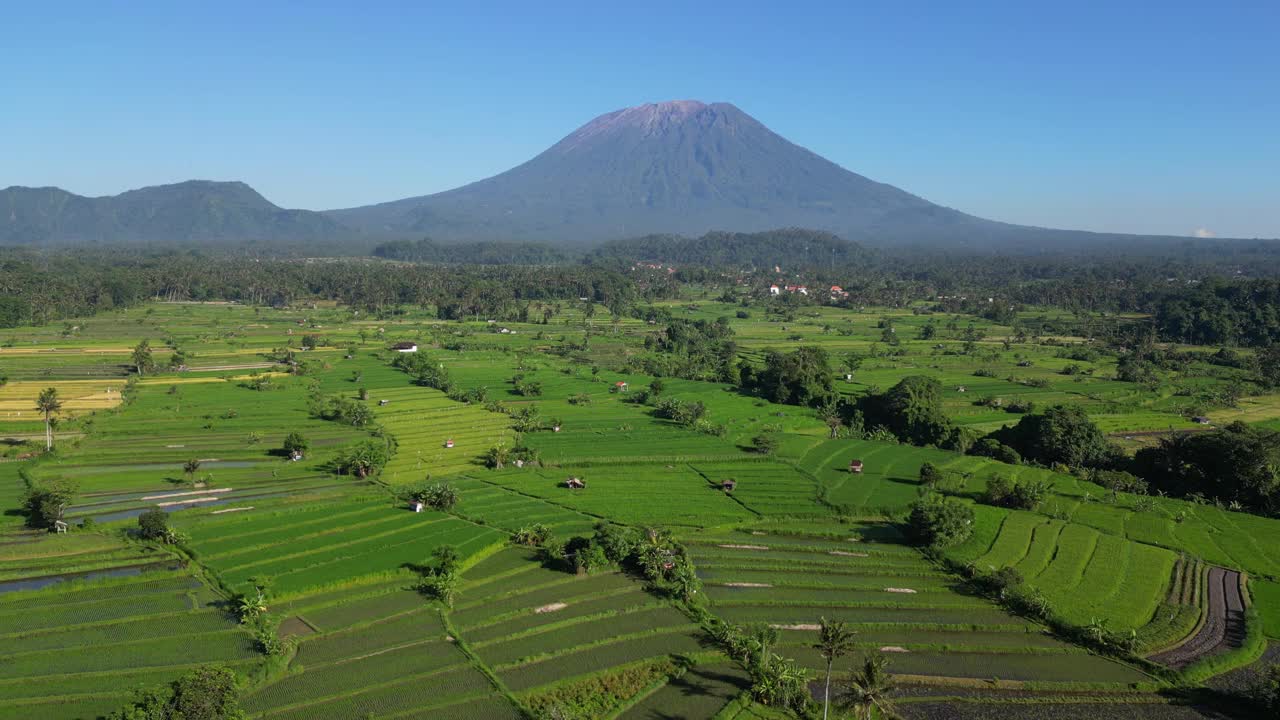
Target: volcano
682 167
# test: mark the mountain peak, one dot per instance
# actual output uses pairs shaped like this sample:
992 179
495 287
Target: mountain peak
650 119
682 166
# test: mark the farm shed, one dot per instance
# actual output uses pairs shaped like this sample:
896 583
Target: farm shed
729 485
405 347
855 466
575 483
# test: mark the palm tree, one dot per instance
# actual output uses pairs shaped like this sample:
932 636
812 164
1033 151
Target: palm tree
869 686
497 456
190 467
834 642
48 403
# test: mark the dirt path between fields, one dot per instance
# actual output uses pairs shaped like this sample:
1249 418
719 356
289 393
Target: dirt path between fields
1223 628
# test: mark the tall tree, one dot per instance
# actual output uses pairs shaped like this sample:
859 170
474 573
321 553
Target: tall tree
834 642
142 360
869 686
912 409
46 503
190 468
1060 434
48 404
801 377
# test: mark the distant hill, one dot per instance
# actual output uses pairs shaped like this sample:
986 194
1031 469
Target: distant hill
687 168
194 211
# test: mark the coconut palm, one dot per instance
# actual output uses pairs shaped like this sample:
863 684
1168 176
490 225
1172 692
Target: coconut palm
48 403
189 468
497 456
869 686
834 642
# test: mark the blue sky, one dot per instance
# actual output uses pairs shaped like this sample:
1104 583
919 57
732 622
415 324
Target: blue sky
1159 117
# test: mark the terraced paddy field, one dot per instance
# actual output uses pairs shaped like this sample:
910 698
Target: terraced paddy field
537 627
234 432
703 691
404 665
18 399
329 544
423 420
93 613
79 647
506 506
628 493
1084 572
1053 708
896 601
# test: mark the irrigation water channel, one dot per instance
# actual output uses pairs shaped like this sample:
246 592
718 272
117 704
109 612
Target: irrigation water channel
35 583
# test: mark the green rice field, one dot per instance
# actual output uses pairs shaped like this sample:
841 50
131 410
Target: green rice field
92 614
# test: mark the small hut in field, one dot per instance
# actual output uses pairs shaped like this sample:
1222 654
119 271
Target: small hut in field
855 466
729 485
575 483
448 443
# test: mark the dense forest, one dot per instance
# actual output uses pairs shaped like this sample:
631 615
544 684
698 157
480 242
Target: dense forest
794 248
1204 294
427 250
42 287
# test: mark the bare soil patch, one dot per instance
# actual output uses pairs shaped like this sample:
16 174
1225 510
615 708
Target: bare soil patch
1223 628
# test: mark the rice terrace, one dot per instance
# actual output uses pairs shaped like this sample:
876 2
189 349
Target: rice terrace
380 513
505 361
